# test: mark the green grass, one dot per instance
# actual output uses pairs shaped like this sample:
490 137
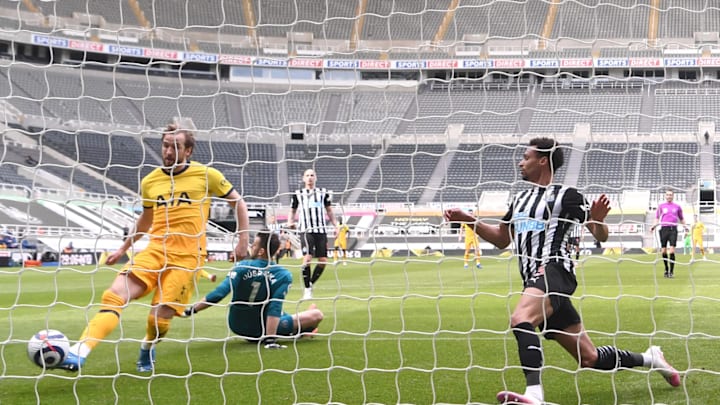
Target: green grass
395 331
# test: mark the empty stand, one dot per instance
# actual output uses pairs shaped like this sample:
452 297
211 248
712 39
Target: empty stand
480 111
665 165
464 174
113 11
602 19
613 167
208 16
338 167
403 20
609 167
678 107
681 18
9 174
159 99
490 17
272 111
34 213
372 113
324 19
606 110
129 161
403 173
93 150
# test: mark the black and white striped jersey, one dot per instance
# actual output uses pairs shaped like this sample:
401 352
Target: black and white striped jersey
274 227
576 233
541 221
311 205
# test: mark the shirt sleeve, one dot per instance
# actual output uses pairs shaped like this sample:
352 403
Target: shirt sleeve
220 292
327 201
294 203
218 185
508 215
575 207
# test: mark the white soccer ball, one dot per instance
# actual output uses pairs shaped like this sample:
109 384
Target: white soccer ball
48 348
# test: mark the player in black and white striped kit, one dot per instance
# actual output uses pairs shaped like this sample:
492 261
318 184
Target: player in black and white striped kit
312 203
540 221
574 240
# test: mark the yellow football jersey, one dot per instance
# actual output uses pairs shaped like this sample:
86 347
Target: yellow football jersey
469 233
343 232
181 207
698 229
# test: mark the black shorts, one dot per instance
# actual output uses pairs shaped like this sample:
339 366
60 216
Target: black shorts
314 244
668 236
559 284
574 241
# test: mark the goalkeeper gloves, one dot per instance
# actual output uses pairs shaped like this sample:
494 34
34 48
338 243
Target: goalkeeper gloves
271 343
188 312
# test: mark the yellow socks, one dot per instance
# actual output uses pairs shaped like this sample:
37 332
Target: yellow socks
105 321
156 328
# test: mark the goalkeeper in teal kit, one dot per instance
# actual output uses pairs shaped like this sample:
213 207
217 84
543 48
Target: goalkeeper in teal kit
258 288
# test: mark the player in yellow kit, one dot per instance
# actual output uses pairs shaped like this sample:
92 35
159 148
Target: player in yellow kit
471 244
176 205
698 230
340 243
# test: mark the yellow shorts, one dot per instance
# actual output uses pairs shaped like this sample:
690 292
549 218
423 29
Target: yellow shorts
470 244
698 241
342 244
173 283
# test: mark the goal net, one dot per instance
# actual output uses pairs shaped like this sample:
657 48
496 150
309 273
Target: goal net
404 109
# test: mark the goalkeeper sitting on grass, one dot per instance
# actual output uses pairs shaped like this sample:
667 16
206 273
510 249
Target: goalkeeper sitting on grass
258 289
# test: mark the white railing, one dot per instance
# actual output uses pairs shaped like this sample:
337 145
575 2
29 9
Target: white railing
24 230
14 189
56 194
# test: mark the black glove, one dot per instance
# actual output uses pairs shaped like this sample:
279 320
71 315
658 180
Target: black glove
189 311
271 343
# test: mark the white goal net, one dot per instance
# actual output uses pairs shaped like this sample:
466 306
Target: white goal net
404 109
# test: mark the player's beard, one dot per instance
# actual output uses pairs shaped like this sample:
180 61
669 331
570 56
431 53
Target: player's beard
172 163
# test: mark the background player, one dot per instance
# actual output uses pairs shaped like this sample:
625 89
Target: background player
698 230
574 240
340 243
312 203
471 244
255 281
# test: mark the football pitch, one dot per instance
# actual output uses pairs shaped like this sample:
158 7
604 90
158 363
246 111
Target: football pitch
401 330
